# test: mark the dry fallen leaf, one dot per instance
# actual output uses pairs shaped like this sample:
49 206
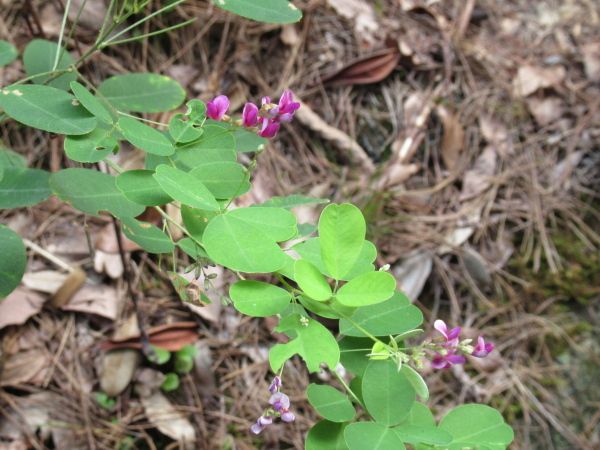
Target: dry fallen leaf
368 69
19 306
496 133
478 179
102 300
168 420
171 337
453 137
118 366
363 15
412 273
47 281
591 60
23 367
546 110
532 78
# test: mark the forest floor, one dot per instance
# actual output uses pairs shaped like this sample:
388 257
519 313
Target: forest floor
466 131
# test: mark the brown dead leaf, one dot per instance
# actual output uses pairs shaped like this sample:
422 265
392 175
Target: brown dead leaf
453 137
532 78
117 367
496 133
19 306
171 337
102 300
168 420
47 281
591 60
366 70
413 272
363 15
478 179
546 110
23 367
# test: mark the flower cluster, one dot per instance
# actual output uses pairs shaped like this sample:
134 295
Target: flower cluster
265 120
449 351
280 407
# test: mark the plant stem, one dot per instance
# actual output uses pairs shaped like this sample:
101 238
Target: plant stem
152 33
61 34
350 391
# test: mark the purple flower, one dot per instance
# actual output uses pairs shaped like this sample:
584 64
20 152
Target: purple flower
288 417
217 107
280 402
269 128
275 385
482 349
250 115
261 424
450 336
440 361
287 106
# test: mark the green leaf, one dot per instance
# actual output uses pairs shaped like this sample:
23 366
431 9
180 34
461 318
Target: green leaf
171 382
388 395
182 130
326 435
420 415
91 103
393 316
367 289
330 403
258 299
354 353
245 239
372 436
269 11
311 281
192 249
311 251
91 191
12 262
184 359
147 236
8 53
185 188
23 187
104 401
196 111
160 356
416 381
139 186
476 426
291 201
46 108
196 220
224 179
215 145
10 159
145 137
311 340
142 92
417 434
91 147
341 234
39 56
248 141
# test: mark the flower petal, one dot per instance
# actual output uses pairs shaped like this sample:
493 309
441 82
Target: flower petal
440 325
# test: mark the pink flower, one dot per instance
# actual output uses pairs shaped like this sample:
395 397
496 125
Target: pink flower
482 349
440 361
269 128
450 336
217 107
287 106
288 416
250 115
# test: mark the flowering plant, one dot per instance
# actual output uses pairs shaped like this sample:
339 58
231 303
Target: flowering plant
317 271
